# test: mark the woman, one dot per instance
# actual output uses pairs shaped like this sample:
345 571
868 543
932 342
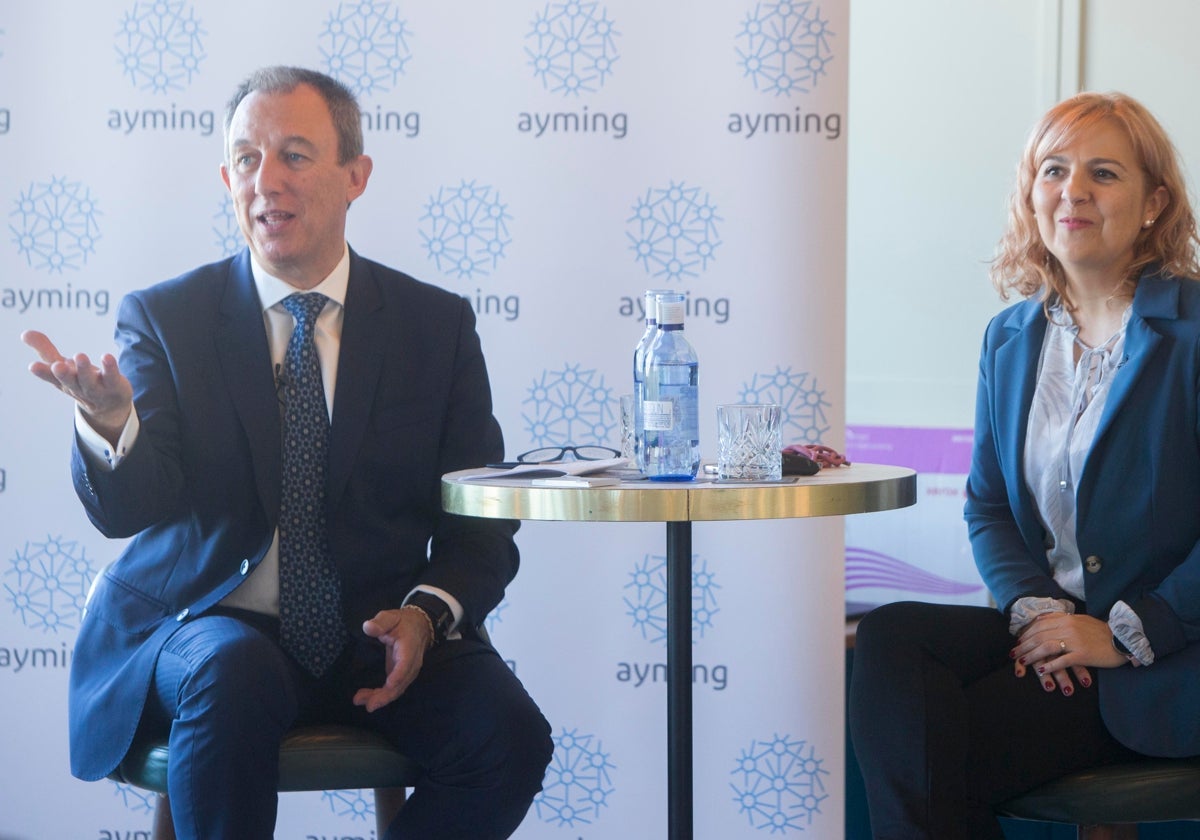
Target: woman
1082 502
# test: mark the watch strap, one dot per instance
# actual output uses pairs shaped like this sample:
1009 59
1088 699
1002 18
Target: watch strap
441 617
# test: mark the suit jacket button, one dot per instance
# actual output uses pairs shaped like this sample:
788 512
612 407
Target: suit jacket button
245 567
1093 564
183 613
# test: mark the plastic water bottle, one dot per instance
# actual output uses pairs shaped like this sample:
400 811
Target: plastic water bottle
650 305
670 408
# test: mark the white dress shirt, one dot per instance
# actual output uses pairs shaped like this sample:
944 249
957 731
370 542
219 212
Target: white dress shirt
1068 400
1067 404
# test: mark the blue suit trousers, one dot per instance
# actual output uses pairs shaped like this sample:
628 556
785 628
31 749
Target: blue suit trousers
228 693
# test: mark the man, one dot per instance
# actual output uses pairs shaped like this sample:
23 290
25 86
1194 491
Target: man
235 382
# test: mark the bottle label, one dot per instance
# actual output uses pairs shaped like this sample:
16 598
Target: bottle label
658 415
670 312
675 414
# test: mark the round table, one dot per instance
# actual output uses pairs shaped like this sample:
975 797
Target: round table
838 491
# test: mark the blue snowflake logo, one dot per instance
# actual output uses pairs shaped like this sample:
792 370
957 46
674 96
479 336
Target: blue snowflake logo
349 803
135 799
50 582
465 229
784 47
225 228
366 46
673 231
569 407
577 783
57 226
646 605
572 47
779 784
158 45
496 616
802 404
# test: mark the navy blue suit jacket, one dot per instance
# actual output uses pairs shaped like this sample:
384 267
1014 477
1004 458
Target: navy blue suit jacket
199 491
1138 502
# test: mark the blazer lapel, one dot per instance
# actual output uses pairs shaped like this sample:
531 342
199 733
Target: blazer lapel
245 359
360 361
1015 373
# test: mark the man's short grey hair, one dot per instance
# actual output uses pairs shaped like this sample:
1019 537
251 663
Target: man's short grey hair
342 104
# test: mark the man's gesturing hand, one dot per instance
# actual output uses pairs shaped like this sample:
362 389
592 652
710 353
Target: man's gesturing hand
103 393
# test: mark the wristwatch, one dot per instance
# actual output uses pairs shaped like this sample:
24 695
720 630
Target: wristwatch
441 617
1120 648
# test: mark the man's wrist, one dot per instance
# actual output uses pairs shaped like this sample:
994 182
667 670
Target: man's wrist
413 608
101 445
109 424
441 617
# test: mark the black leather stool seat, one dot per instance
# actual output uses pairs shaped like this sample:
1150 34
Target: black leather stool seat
310 758
1144 791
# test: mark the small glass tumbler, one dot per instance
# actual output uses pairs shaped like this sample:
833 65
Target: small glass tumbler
628 432
749 442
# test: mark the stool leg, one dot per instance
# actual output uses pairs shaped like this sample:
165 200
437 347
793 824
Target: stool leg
164 826
388 802
1124 831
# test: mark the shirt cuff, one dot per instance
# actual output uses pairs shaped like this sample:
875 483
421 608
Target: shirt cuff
99 452
1025 610
1126 627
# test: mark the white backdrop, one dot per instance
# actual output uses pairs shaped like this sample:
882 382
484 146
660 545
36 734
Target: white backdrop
548 161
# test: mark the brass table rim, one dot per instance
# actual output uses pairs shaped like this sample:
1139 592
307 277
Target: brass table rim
838 491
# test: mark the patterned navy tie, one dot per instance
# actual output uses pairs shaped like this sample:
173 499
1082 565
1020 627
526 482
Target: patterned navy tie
310 615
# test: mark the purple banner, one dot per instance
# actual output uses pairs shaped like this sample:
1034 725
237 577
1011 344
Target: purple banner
940 451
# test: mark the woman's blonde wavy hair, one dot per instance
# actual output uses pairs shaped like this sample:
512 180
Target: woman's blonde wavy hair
1024 265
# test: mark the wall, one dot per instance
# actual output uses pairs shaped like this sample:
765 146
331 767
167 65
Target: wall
942 95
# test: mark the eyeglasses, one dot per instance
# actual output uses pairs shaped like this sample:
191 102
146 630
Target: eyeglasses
558 453
549 454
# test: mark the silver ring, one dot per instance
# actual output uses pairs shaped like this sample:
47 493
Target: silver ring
1062 646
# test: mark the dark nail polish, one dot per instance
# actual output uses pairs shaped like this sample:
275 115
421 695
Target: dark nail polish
1067 690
